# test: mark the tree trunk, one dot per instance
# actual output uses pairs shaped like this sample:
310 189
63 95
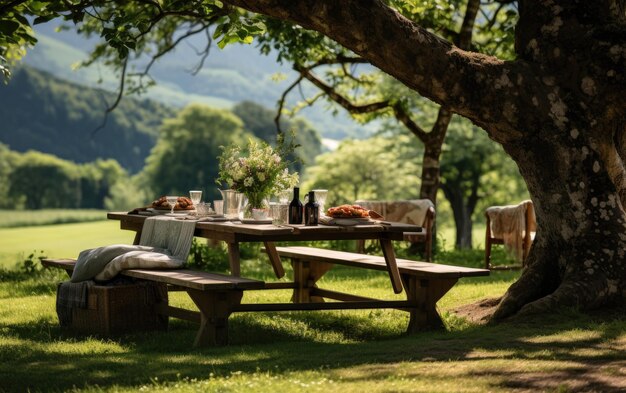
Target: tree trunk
558 110
461 213
577 258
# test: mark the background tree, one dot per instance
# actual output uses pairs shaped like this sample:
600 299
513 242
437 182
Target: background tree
45 181
126 194
259 120
96 181
185 155
363 169
8 161
467 158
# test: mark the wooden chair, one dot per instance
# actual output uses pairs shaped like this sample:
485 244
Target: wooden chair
416 211
514 227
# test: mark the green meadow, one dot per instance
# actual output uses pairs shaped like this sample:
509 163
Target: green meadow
328 351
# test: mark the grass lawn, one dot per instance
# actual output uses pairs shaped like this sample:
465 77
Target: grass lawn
22 218
330 351
65 240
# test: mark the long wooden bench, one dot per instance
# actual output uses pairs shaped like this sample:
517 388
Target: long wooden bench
424 283
215 295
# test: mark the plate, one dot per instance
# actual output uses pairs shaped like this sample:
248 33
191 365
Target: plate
176 214
346 222
156 210
169 208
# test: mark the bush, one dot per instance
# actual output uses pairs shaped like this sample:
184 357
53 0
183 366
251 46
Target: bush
212 259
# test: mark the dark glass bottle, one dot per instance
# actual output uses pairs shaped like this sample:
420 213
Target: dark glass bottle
295 208
311 211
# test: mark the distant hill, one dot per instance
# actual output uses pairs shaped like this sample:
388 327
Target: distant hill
229 76
42 112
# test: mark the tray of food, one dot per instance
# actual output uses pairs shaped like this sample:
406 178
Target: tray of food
348 215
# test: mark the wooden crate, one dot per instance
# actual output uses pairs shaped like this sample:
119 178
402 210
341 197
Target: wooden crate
121 309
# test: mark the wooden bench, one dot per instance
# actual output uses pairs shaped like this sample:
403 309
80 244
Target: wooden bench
215 295
424 283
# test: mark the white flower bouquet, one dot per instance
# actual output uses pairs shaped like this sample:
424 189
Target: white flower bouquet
258 171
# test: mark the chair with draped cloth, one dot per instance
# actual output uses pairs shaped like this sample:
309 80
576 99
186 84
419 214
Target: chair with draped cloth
513 226
416 211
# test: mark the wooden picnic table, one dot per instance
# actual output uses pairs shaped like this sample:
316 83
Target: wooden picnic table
235 232
218 296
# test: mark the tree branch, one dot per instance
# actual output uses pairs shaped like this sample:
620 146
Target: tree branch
281 103
112 107
340 99
421 60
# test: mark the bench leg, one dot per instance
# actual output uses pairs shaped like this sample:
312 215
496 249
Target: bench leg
215 308
305 276
425 293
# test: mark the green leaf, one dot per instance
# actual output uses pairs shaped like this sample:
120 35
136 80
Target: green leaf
8 27
44 19
219 29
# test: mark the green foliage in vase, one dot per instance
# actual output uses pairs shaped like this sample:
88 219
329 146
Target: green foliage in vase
258 170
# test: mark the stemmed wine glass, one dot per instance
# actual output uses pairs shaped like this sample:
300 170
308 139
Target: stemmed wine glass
171 200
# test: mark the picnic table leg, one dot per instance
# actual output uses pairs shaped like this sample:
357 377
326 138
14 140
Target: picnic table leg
425 293
277 265
305 276
137 237
215 308
234 259
392 266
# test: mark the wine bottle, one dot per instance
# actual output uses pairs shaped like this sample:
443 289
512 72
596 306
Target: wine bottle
311 211
295 208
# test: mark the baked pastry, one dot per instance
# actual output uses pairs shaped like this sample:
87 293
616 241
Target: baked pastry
347 211
183 203
352 211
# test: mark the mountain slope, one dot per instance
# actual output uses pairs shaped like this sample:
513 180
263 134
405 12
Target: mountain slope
229 76
44 113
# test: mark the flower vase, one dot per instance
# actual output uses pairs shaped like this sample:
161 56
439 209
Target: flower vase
255 207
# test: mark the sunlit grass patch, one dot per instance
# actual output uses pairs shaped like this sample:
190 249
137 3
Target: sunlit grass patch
23 218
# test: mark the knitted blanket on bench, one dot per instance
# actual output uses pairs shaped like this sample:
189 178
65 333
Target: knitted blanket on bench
164 244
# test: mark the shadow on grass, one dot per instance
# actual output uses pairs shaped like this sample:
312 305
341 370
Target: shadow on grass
37 356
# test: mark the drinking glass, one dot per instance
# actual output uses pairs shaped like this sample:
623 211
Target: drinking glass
171 200
279 213
219 206
320 198
284 195
196 197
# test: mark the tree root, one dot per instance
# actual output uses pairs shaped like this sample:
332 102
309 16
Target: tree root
574 291
532 285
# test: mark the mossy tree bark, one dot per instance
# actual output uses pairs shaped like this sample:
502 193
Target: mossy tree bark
558 110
